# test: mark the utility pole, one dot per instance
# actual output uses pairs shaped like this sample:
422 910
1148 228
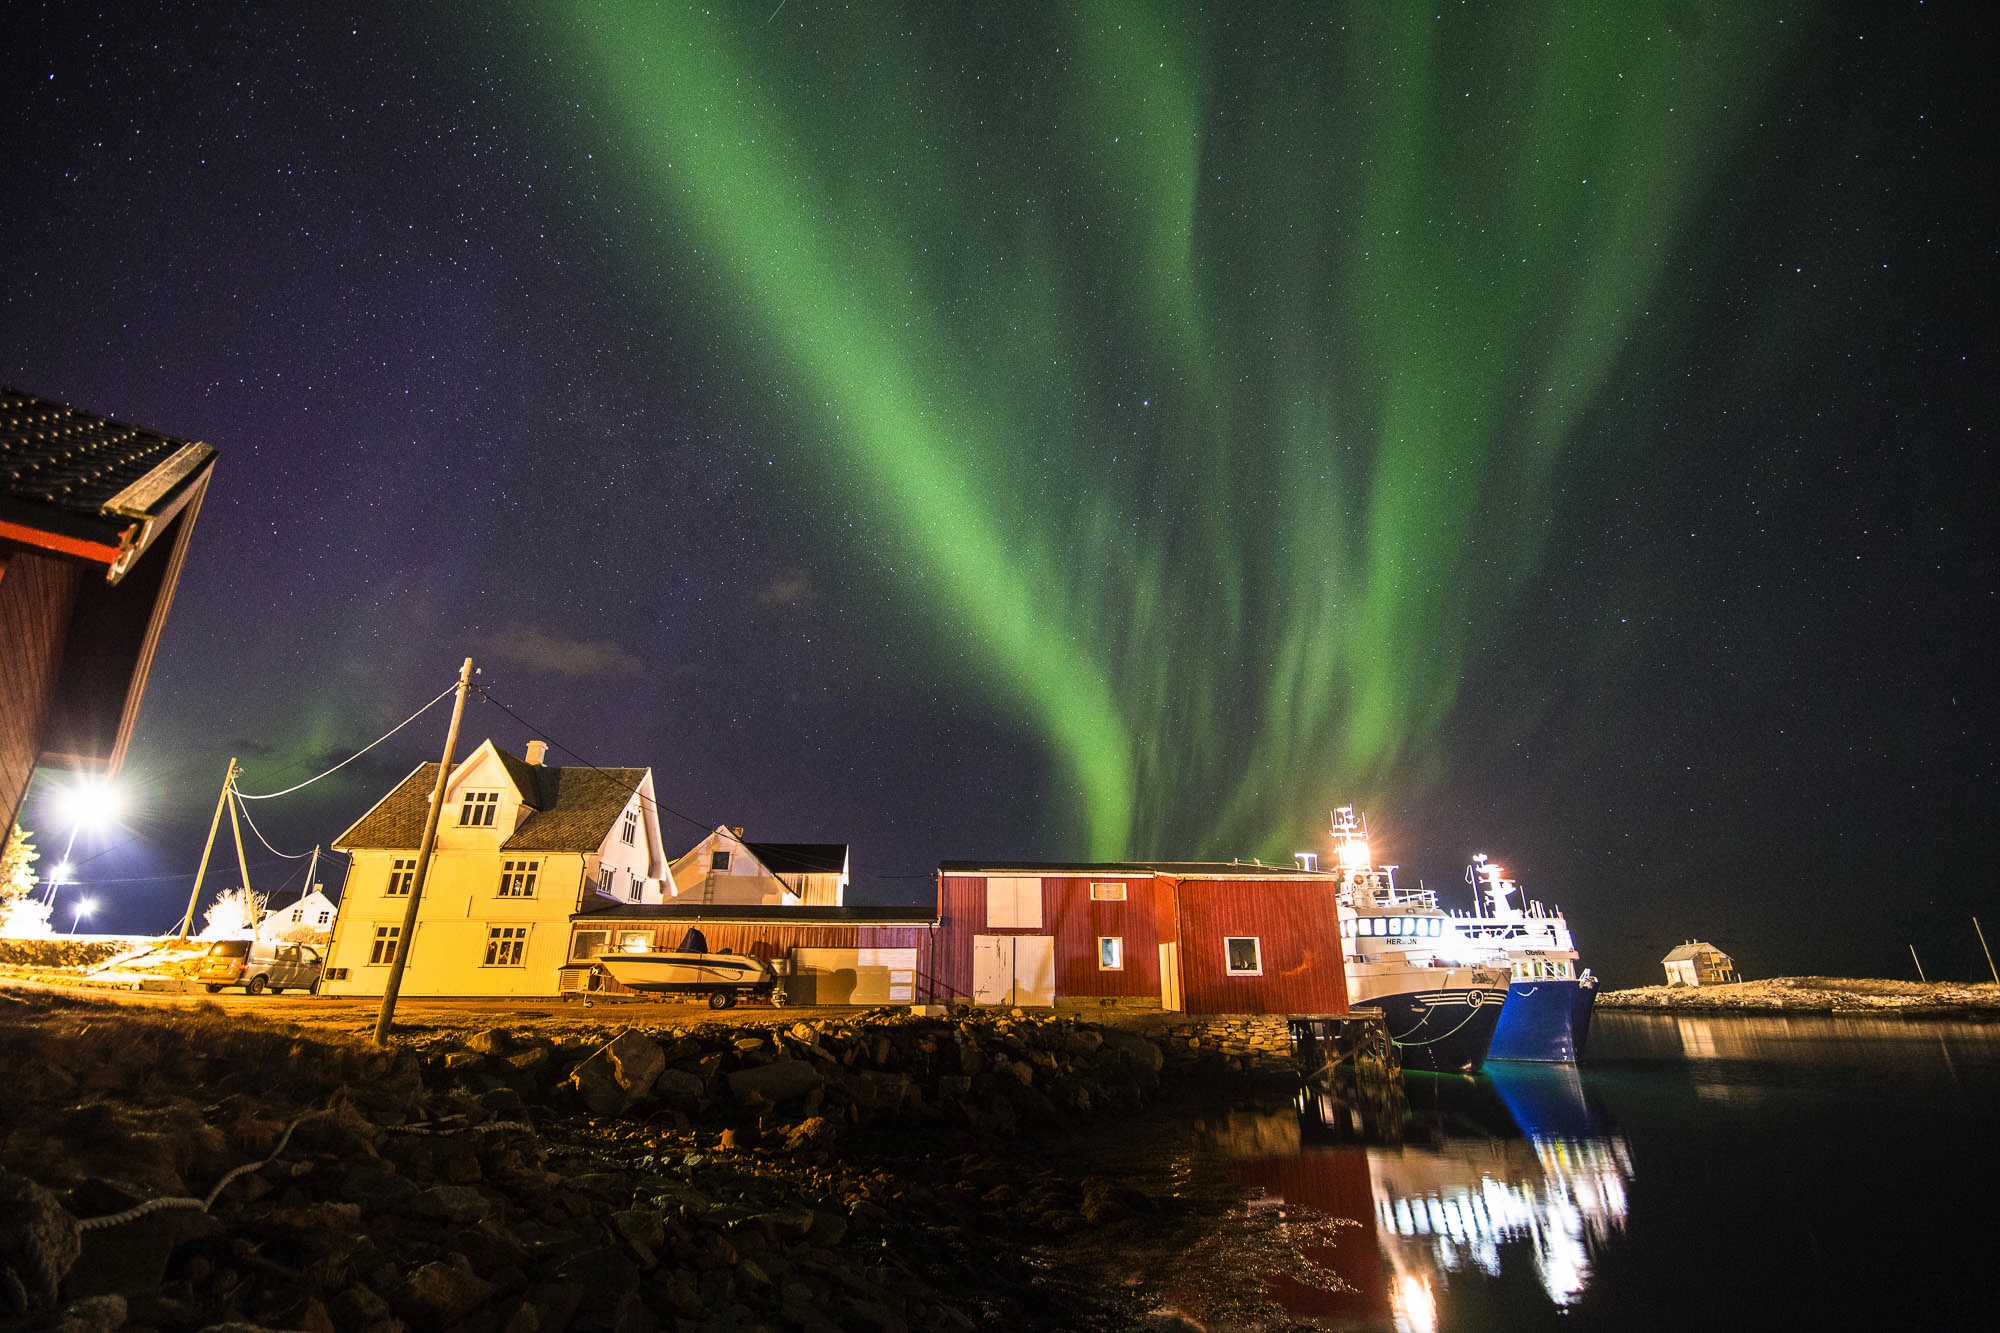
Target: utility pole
395 985
228 785
1920 965
1989 953
243 867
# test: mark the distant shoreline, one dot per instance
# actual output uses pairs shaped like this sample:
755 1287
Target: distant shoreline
1847 997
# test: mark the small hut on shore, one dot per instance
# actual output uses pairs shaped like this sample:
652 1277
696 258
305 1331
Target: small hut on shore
1699 963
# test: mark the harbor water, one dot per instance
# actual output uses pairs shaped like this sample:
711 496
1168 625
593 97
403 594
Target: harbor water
1693 1172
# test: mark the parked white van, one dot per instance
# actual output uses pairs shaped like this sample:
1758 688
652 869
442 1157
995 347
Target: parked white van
258 966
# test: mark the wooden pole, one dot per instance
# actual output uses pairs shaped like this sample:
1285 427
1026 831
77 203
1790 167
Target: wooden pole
1989 953
394 987
243 867
1920 964
194 895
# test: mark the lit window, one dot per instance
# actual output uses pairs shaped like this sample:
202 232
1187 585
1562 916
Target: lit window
505 946
635 941
401 876
719 861
479 809
1243 956
517 878
1107 893
384 950
1110 953
588 943
1436 927
630 833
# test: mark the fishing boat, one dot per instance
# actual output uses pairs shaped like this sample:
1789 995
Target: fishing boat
1440 994
693 970
1547 1014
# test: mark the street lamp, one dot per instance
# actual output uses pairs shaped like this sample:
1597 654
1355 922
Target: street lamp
92 804
84 907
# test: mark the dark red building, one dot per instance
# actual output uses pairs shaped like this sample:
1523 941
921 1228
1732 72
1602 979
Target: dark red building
1207 938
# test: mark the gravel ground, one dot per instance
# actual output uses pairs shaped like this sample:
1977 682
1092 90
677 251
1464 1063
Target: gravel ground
1819 995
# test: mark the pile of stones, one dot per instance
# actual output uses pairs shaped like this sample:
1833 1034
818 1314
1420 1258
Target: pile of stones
825 1175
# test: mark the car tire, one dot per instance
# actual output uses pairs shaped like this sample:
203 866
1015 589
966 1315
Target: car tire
256 985
214 990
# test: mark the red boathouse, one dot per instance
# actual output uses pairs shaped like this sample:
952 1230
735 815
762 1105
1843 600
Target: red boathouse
1204 937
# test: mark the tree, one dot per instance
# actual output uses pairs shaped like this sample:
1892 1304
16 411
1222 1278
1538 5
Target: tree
17 865
229 917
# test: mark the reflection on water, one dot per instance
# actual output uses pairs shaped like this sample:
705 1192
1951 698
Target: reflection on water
1515 1168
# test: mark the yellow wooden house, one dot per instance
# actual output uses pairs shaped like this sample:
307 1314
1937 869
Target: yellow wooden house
521 847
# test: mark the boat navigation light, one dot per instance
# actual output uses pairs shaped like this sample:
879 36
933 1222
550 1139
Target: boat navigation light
1354 855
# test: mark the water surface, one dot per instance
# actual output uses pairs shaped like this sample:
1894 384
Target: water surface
1694 1172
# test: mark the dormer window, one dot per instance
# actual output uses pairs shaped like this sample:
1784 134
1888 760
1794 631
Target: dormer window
630 833
479 809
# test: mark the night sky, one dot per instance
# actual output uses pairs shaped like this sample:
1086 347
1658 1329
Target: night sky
995 431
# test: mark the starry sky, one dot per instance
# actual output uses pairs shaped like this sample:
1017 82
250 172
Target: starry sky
1020 431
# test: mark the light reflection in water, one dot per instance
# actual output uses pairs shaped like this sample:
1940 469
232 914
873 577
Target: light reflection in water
1513 1168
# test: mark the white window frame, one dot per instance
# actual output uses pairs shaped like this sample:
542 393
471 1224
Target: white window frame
588 944
630 833
1256 969
517 878
478 809
1116 953
607 879
503 941
402 874
718 860
382 951
1014 902
1107 892
636 889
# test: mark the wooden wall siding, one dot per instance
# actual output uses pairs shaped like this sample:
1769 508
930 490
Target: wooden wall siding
961 915
1077 920
1300 936
37 594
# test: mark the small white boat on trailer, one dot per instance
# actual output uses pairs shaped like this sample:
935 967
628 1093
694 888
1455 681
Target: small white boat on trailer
693 970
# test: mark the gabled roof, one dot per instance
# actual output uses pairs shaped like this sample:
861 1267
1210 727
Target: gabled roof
801 858
1691 950
87 486
574 808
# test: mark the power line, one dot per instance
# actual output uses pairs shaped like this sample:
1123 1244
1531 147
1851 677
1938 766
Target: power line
351 758
289 856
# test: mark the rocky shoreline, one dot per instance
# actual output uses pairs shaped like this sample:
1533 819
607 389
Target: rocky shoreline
881 1170
1841 996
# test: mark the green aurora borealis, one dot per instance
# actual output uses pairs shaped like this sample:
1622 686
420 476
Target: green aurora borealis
1205 379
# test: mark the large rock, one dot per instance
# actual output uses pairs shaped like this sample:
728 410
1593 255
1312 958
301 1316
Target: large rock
440 1293
620 1073
778 1082
1134 1048
39 1241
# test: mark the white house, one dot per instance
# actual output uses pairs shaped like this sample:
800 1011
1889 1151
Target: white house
308 920
725 870
1699 963
521 846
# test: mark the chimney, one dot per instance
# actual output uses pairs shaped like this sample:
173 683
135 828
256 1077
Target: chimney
537 752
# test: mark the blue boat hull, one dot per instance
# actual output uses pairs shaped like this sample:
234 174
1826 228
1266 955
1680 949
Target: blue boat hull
1442 1031
1543 1021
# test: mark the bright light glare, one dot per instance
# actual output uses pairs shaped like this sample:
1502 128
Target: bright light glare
89 805
1354 855
61 872
86 906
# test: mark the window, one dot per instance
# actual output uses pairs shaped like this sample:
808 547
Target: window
1107 893
325 916
1014 901
505 945
630 833
384 950
636 889
402 874
588 943
635 941
1242 956
1110 953
479 809
517 878
718 861
607 880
